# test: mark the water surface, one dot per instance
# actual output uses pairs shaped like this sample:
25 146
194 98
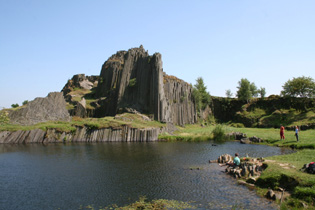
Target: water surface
67 176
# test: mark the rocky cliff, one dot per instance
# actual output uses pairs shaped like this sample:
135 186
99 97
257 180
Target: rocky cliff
50 108
134 80
82 134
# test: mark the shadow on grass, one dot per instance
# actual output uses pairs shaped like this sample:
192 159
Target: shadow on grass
273 141
289 142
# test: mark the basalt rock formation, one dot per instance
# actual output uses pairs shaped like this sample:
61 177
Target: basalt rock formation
50 108
82 134
133 81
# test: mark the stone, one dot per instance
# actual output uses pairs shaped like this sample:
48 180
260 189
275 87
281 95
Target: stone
244 141
80 110
50 108
82 134
255 139
251 180
136 80
270 194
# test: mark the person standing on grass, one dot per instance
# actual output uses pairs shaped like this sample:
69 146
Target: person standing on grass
297 133
282 132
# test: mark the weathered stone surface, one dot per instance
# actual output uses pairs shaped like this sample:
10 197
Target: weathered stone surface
80 81
50 108
237 135
82 134
21 137
226 158
270 194
80 109
134 79
255 139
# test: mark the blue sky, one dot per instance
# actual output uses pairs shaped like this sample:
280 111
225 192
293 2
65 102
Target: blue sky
44 43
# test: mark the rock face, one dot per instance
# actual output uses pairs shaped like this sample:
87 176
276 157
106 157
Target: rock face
80 81
50 108
133 79
82 134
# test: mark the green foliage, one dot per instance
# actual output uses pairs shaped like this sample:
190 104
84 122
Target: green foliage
218 133
201 96
237 125
132 82
288 117
262 92
144 204
4 117
299 87
228 93
305 193
15 105
25 102
284 171
246 90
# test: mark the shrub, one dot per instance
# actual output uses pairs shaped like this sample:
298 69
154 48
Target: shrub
15 105
237 125
4 118
25 102
132 82
218 133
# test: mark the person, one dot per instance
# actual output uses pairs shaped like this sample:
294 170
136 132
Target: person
282 132
236 161
297 133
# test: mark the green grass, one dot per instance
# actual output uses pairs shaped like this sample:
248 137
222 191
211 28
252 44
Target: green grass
271 136
284 171
289 117
131 120
143 203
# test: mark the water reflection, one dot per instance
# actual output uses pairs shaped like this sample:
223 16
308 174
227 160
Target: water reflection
66 176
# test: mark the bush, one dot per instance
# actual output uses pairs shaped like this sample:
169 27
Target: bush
4 118
218 133
15 105
237 125
25 102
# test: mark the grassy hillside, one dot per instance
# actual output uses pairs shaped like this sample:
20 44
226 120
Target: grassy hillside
267 113
131 120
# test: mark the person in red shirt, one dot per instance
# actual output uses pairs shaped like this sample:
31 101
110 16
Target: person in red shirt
282 132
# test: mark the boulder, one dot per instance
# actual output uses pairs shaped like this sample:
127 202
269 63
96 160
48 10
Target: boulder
271 194
50 108
80 109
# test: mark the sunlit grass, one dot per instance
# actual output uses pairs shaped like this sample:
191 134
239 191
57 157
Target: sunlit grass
131 120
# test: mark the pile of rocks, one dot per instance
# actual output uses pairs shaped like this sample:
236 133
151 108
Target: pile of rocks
250 168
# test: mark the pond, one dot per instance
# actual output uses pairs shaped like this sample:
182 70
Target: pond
67 176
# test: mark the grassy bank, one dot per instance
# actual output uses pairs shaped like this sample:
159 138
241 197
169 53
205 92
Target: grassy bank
270 136
131 120
282 171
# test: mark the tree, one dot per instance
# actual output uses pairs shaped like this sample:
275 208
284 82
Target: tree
246 90
262 92
253 89
299 87
25 102
201 96
228 93
15 105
